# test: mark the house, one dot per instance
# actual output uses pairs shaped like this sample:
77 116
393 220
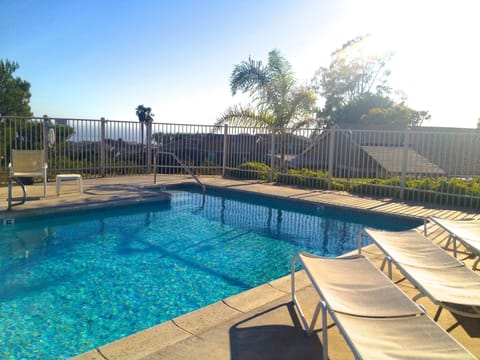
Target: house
197 149
455 150
362 153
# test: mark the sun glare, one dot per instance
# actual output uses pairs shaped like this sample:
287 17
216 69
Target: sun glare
435 57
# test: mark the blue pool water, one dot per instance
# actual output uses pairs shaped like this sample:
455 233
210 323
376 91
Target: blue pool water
73 282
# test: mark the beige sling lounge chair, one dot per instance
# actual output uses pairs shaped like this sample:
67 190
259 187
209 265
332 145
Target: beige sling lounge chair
29 163
377 320
465 231
446 281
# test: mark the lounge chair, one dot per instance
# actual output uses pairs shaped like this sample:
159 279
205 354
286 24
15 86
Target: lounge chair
29 163
377 320
446 281
465 231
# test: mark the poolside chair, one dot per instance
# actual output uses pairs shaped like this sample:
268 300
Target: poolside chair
377 320
465 231
29 163
446 281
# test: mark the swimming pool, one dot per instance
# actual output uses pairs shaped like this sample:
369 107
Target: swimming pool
77 281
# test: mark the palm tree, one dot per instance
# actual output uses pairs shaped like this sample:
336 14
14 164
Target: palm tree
144 115
277 101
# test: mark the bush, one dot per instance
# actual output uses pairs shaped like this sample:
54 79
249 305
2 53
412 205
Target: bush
308 178
375 187
251 171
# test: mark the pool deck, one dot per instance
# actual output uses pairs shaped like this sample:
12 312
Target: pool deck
260 323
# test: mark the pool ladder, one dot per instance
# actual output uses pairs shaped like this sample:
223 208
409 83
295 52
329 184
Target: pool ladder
185 167
10 190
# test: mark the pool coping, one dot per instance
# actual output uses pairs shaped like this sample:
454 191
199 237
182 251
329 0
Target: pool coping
76 207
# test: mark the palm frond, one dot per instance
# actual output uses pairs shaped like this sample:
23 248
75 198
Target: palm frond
280 70
239 115
277 101
248 76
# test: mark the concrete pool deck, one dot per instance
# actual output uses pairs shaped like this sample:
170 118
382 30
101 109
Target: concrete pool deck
260 323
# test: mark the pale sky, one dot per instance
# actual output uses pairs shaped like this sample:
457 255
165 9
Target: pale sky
102 58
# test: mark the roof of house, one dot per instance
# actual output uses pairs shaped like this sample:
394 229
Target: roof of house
390 158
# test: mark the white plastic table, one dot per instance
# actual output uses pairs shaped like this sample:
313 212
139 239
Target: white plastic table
66 177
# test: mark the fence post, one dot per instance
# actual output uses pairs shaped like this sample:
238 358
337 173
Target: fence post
102 146
331 157
44 140
225 149
406 145
272 155
149 147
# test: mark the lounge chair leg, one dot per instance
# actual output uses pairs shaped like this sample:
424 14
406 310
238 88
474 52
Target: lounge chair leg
9 196
448 242
292 273
324 335
308 328
382 266
315 316
437 314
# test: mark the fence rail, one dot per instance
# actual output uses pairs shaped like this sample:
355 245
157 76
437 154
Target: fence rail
425 164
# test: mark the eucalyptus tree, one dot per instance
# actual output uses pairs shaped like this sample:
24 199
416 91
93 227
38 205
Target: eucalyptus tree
357 92
14 101
278 102
145 117
14 92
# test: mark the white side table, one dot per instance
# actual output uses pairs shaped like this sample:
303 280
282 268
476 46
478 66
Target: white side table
66 177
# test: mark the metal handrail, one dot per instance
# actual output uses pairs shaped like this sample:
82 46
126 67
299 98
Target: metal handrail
24 189
182 165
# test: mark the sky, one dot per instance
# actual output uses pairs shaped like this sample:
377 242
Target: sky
103 58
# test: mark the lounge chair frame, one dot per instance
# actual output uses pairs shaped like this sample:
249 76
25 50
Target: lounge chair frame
322 305
407 311
423 291
453 236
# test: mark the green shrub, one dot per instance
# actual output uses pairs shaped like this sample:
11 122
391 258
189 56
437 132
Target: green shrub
452 186
375 187
308 178
251 171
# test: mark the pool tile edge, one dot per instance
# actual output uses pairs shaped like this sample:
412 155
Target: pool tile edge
138 345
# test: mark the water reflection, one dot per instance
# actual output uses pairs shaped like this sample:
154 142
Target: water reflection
323 230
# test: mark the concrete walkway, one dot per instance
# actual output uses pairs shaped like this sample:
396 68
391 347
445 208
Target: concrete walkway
260 323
